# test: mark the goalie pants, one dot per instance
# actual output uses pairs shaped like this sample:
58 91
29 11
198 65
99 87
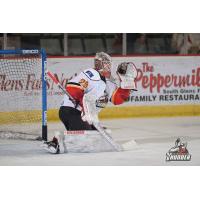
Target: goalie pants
72 120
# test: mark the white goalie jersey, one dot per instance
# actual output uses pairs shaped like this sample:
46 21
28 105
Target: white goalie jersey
92 92
89 82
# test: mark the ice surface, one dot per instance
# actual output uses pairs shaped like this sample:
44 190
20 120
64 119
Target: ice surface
153 136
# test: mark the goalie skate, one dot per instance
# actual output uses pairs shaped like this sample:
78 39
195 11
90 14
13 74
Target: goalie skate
55 146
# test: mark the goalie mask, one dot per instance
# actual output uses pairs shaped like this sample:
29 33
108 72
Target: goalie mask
127 73
103 64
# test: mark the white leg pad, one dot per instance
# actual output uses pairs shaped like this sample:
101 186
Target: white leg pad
86 142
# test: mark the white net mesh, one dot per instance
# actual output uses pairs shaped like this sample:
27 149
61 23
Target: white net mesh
20 94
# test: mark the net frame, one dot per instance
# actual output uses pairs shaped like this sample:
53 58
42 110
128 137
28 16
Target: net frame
42 53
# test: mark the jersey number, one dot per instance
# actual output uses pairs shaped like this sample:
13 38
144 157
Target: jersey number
83 83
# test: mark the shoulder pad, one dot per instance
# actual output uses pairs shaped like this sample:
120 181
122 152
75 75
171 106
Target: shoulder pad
92 74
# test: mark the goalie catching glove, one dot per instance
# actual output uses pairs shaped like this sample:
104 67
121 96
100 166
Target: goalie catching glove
127 73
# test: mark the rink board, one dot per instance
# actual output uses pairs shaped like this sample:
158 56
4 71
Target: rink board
167 86
141 111
113 112
20 117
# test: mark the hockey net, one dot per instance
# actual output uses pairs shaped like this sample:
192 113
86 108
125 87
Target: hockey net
21 95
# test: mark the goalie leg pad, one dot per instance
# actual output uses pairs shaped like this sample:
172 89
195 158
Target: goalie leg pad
86 142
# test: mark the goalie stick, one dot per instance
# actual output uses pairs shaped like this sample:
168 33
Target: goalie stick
99 128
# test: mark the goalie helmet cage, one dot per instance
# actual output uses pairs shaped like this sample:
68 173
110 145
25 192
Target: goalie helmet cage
23 93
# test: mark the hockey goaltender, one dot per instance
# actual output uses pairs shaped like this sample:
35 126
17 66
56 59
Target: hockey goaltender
87 93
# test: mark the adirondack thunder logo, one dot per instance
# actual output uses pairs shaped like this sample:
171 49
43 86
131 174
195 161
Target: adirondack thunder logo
179 152
149 79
